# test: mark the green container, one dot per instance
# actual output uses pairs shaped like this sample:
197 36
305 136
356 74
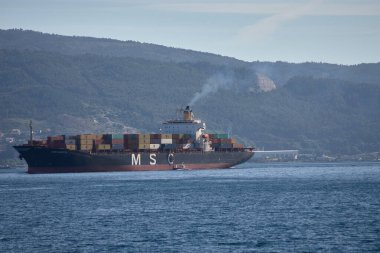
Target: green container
221 136
117 136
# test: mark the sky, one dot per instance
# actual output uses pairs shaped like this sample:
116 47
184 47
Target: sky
333 31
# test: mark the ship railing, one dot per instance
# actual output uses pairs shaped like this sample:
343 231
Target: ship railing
128 151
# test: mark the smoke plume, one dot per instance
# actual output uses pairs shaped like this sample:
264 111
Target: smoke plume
212 85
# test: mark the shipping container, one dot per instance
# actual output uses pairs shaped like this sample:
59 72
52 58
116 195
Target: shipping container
131 136
219 140
154 146
104 147
55 141
144 146
144 136
56 138
117 136
85 147
131 142
71 146
166 141
117 141
155 141
219 136
87 136
38 142
117 146
107 138
144 141
166 136
237 145
98 142
222 145
155 136
86 142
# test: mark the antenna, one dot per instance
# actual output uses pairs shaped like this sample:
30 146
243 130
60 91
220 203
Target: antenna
178 112
31 132
229 131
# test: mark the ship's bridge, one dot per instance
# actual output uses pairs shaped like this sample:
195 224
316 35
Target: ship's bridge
187 125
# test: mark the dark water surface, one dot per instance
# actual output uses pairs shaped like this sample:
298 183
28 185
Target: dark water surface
257 208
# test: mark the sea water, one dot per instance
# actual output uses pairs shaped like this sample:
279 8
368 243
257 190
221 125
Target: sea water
287 207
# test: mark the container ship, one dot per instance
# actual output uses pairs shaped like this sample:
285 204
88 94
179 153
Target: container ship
183 144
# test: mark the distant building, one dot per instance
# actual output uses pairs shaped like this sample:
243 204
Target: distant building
10 139
276 155
15 131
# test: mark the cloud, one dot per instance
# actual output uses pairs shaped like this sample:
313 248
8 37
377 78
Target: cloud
276 13
353 8
266 26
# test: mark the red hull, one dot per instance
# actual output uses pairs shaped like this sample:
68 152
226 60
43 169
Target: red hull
33 170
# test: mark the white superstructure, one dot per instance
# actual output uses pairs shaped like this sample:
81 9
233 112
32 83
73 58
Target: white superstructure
187 125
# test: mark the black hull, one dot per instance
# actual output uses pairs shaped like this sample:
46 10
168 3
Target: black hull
48 160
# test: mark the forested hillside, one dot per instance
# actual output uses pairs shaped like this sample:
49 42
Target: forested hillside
21 39
76 85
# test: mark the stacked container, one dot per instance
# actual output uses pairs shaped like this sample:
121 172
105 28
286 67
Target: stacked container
155 141
70 142
117 141
166 139
237 145
131 141
103 147
86 141
144 141
221 141
56 141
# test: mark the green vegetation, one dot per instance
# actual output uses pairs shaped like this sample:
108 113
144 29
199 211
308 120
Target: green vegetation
78 85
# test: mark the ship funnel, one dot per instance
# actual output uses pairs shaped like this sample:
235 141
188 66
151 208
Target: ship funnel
188 114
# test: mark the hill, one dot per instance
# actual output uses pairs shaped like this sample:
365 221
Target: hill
72 88
36 41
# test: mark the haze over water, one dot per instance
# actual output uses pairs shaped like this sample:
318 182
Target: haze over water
257 208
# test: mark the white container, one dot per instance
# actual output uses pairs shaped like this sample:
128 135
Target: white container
166 141
154 146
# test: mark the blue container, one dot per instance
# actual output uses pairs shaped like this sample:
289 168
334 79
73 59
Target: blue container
118 146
